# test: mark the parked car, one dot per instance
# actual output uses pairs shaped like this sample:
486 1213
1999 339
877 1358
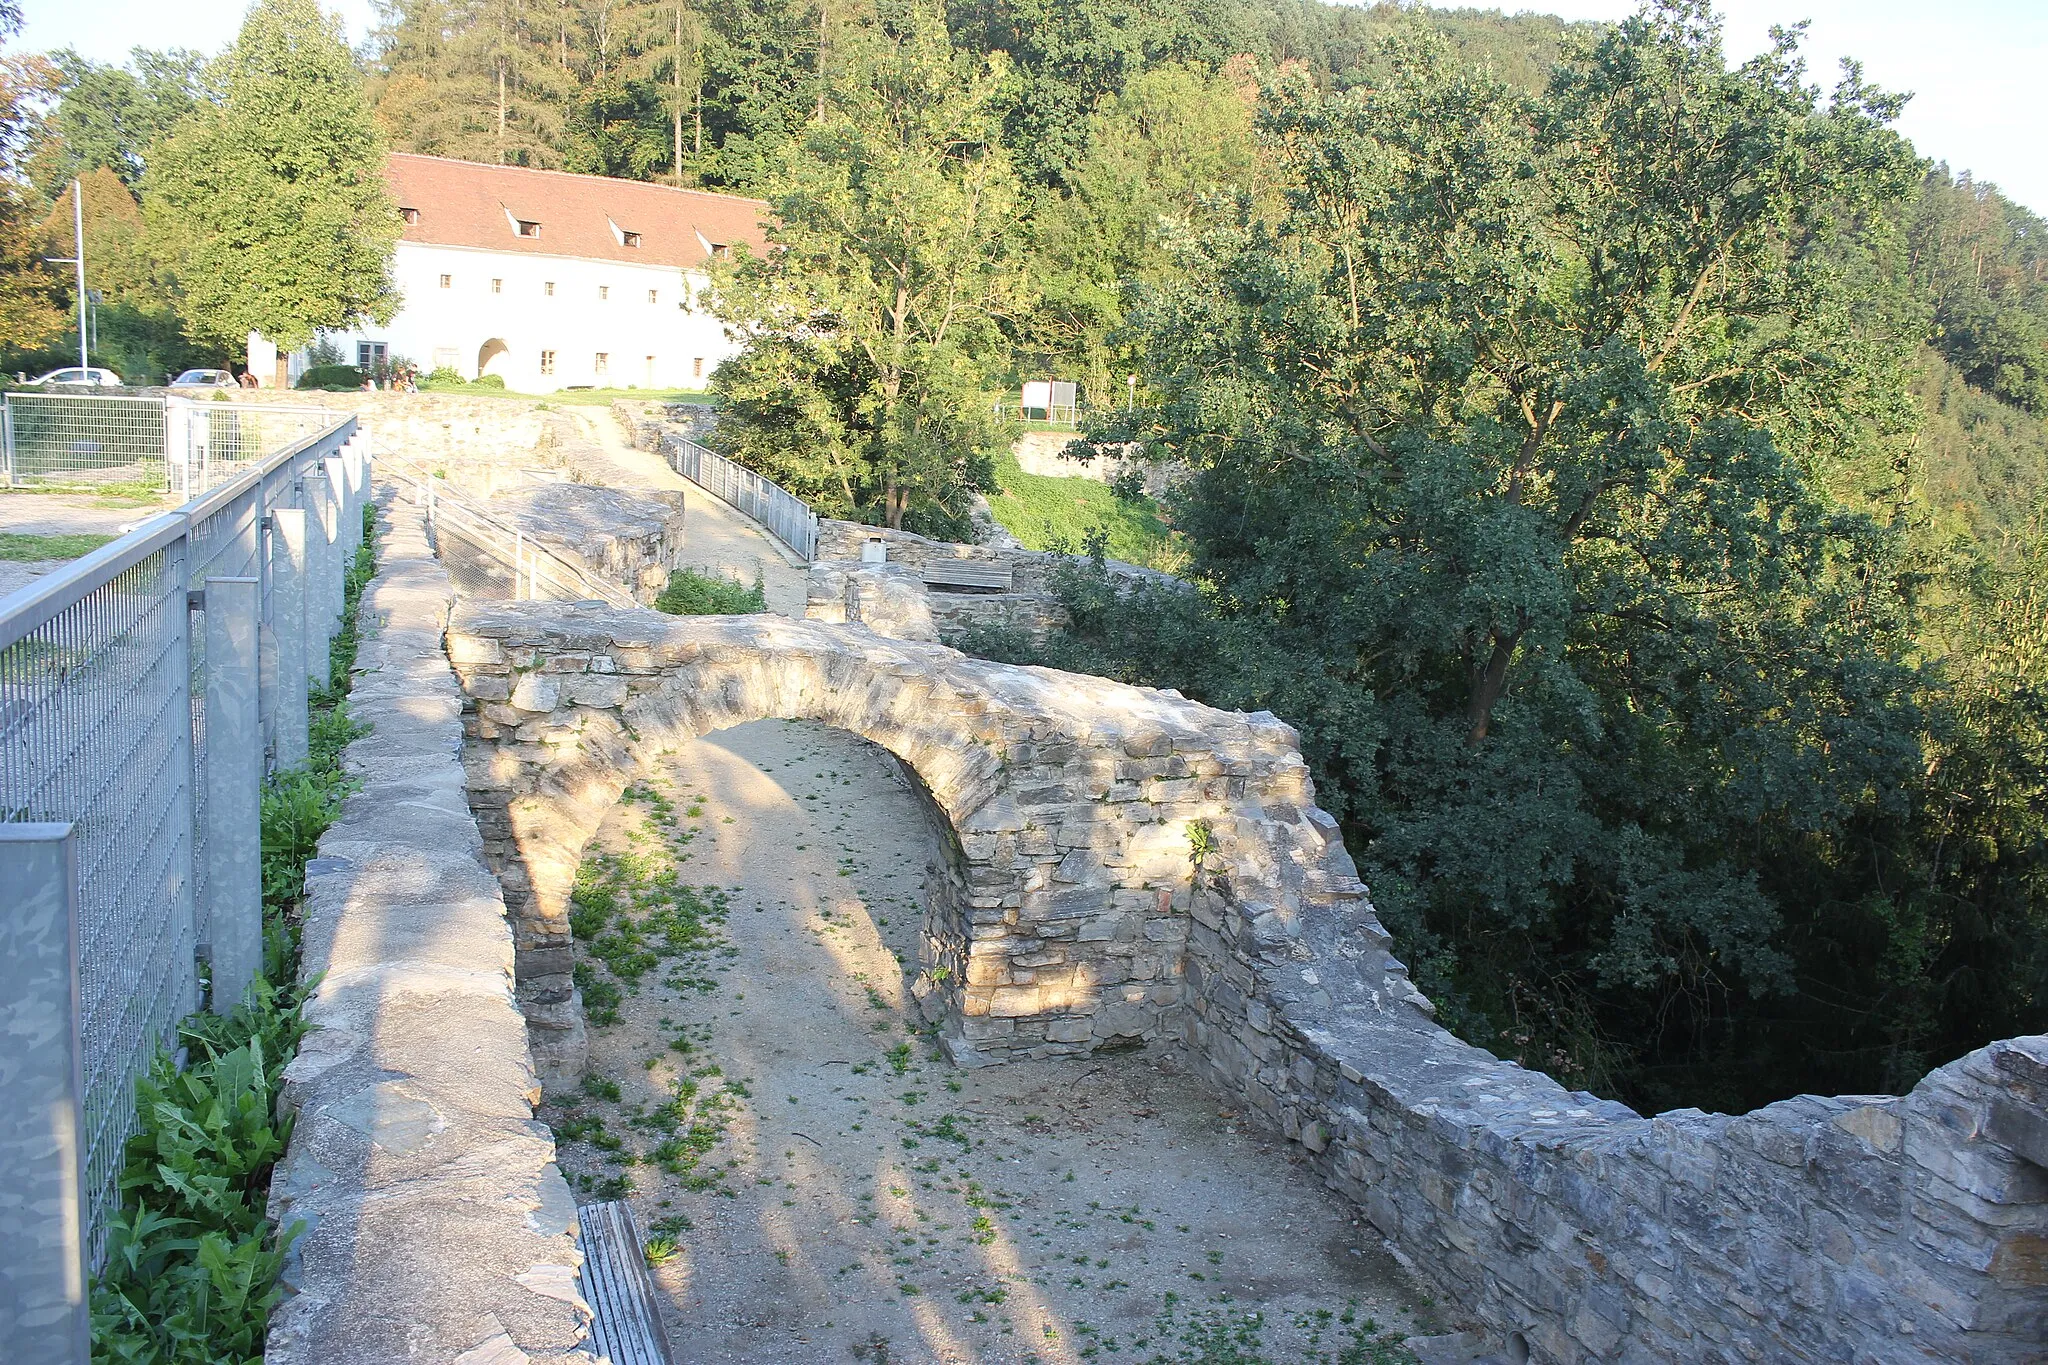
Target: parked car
205 379
75 377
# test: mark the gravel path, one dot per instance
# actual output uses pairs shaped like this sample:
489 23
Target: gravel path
836 1193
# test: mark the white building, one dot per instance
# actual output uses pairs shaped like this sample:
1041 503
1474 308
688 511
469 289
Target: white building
549 280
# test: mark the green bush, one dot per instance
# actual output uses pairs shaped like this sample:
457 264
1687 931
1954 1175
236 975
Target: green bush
446 380
690 593
331 377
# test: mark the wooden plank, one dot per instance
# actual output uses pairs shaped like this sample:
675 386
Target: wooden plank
967 573
627 1328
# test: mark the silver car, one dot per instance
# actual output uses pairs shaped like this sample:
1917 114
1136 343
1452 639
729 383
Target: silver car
205 379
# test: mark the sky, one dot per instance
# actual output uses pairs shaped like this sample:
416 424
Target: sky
1976 67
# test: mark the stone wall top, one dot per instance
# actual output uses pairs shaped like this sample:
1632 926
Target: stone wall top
437 1226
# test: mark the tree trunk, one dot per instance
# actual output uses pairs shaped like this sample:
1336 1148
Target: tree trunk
1486 690
501 114
676 102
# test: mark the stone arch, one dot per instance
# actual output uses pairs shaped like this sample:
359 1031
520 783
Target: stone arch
491 357
1063 916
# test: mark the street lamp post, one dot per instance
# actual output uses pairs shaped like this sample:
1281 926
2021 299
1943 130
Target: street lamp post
77 260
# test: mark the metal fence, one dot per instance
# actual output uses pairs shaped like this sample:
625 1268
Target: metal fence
162 442
144 691
784 514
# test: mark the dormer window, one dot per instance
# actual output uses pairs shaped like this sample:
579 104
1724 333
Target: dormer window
721 248
410 216
526 227
630 238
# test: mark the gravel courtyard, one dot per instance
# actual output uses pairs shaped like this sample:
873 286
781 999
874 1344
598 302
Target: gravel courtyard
821 1186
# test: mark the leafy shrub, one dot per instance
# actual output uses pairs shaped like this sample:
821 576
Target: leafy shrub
690 593
331 377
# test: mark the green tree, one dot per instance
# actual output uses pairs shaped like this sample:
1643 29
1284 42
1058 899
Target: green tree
110 115
873 323
1168 156
271 204
31 307
1513 444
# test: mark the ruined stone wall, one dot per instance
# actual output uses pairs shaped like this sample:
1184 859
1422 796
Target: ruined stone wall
436 1226
633 538
1071 799
1866 1229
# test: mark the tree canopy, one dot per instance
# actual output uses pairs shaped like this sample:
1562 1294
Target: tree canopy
271 203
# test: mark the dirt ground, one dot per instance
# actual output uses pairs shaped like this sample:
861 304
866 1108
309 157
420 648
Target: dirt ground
824 1188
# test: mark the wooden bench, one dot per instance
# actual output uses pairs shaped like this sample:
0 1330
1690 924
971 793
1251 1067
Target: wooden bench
626 1329
971 574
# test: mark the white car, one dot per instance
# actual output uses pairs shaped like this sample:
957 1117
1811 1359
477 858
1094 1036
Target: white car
76 377
205 379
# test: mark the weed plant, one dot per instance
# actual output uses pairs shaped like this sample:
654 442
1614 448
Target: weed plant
690 593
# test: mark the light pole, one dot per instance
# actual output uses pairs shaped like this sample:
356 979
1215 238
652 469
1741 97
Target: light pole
77 260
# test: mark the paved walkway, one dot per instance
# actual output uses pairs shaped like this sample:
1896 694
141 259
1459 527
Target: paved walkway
716 536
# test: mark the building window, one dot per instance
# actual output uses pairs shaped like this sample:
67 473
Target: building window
653 295
527 228
547 362
447 281
409 215
721 248
604 291
630 238
604 362
548 289
372 355
497 286
697 368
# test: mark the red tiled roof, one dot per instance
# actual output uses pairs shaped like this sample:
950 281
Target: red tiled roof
466 203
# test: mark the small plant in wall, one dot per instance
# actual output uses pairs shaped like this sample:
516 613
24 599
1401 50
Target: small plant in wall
661 1250
1201 843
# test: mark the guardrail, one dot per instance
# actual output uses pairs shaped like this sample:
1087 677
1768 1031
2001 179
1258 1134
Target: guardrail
495 545
786 516
168 441
144 691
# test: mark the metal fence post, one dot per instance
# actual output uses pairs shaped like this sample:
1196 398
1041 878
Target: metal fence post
43 1306
288 623
322 563
234 779
7 435
344 508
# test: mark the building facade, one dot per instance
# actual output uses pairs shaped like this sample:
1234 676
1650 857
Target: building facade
549 280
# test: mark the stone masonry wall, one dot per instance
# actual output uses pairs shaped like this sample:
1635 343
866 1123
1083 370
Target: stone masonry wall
631 538
1071 799
1856 1229
437 1227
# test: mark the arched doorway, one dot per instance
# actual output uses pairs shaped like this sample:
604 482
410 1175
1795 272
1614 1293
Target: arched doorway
492 357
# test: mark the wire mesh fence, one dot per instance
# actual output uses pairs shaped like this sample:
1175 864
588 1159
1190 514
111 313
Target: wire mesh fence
159 443
104 728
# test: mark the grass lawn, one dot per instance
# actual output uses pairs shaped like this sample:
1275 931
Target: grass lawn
1052 513
24 549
